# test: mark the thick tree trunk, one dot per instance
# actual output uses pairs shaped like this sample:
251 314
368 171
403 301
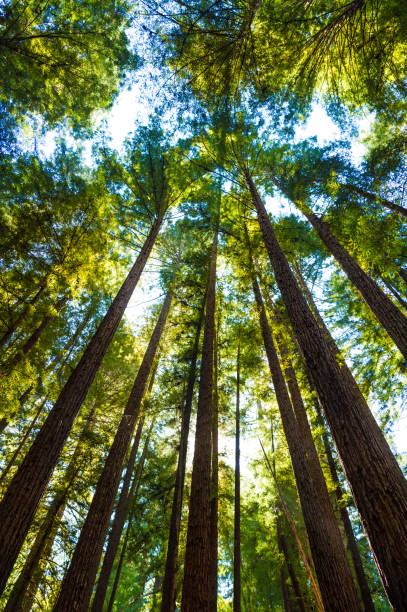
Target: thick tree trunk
171 564
213 537
133 497
22 316
328 553
195 594
375 198
368 462
117 526
387 313
25 588
18 506
237 607
35 336
77 586
350 537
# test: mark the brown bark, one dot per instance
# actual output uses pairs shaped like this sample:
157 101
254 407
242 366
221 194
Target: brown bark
387 313
350 537
282 547
133 498
213 536
22 316
328 553
237 607
18 506
117 526
368 462
171 564
25 588
77 585
195 594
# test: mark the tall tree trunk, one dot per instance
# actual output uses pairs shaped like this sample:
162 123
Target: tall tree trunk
195 593
236 534
71 343
282 547
77 585
390 317
18 506
133 497
368 462
396 294
25 588
328 553
213 537
117 526
403 275
22 316
350 536
171 564
375 198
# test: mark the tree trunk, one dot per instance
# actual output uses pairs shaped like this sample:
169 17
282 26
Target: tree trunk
171 564
195 593
282 547
387 313
350 537
376 199
77 585
396 294
213 536
368 462
117 526
403 275
236 538
328 553
25 588
133 497
21 317
19 505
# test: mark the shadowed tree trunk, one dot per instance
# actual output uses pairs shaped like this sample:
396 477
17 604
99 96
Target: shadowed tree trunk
403 275
195 593
25 588
117 526
236 539
365 455
22 316
213 571
328 553
132 497
387 313
18 506
171 564
375 198
77 585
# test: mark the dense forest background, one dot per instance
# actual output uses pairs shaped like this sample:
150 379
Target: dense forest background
203 305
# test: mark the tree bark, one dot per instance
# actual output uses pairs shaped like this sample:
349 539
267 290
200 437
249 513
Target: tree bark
171 564
25 588
77 585
375 198
18 506
368 462
237 607
328 553
21 317
213 536
387 313
282 547
350 537
117 526
403 275
195 593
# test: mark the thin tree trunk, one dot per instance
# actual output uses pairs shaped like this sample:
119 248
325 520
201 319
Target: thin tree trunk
375 198
195 593
350 536
19 505
387 313
368 462
25 588
77 585
396 294
328 553
236 539
213 537
403 275
71 342
171 564
133 496
295 533
282 545
21 317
